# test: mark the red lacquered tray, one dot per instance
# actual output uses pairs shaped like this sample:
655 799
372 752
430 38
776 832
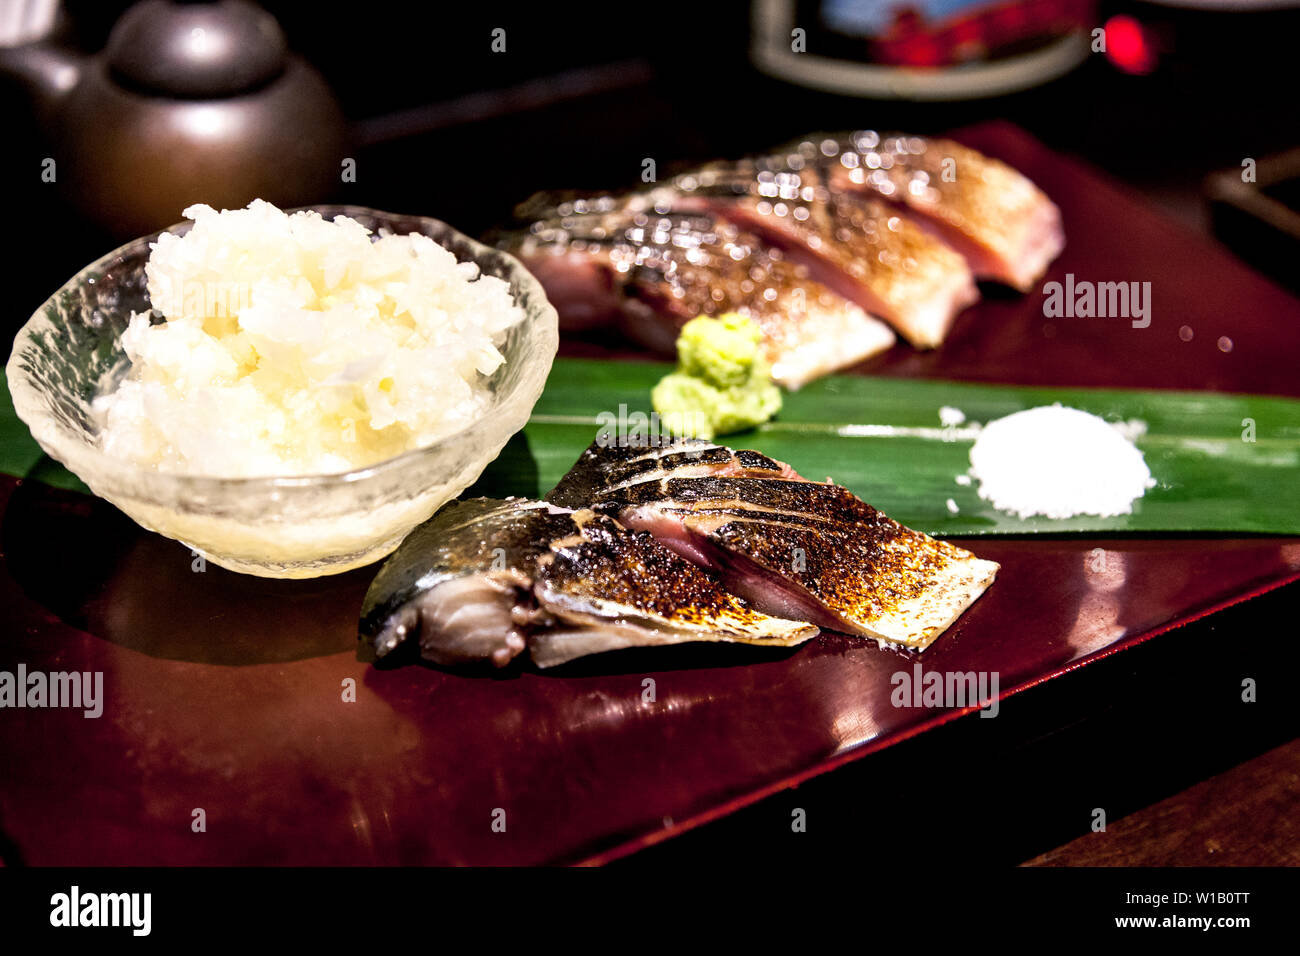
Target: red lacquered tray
226 693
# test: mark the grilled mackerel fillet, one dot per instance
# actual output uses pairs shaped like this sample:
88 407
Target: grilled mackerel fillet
860 246
793 548
653 273
486 579
1004 225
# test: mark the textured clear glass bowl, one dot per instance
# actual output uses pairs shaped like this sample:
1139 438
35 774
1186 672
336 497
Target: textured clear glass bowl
292 527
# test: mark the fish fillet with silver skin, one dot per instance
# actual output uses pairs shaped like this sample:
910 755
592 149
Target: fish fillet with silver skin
487 579
652 273
794 548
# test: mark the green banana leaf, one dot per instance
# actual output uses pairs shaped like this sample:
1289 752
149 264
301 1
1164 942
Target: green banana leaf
847 427
1223 463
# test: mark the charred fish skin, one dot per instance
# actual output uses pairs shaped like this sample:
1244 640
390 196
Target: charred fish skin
859 246
791 547
610 463
611 469
610 587
485 580
845 244
672 267
809 328
871 575
851 244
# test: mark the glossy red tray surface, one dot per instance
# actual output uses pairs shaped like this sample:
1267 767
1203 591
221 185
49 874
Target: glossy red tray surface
226 693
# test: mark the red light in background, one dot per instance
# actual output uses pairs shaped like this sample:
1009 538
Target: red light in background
1127 45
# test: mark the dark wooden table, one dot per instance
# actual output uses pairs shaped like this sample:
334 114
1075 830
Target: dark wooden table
1246 816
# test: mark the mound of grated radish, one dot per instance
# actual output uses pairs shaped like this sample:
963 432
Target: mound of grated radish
1058 462
294 345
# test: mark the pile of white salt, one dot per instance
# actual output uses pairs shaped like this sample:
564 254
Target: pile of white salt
1058 462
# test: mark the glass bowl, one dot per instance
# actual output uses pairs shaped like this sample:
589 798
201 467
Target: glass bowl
284 527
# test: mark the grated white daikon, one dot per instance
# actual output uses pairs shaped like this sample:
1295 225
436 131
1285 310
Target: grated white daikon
295 345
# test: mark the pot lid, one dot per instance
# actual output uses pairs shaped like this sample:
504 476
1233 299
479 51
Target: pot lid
212 49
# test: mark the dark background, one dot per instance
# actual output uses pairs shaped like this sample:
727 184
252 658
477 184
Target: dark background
586 91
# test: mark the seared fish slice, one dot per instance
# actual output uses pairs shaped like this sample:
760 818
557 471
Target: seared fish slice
1003 224
859 246
791 547
485 579
671 268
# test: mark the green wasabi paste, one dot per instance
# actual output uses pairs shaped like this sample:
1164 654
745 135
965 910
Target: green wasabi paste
722 383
